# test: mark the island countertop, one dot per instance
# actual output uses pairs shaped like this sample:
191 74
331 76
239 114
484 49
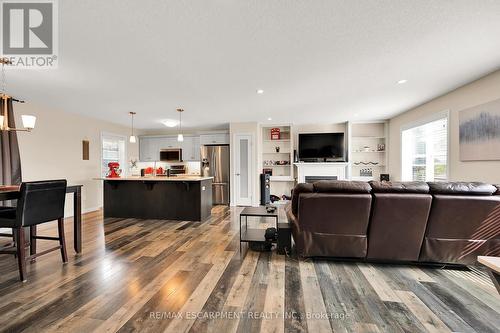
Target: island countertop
160 178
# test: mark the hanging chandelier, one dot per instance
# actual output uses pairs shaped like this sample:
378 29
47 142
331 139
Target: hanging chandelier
180 137
132 138
28 120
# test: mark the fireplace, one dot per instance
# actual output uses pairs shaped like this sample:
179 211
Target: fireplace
311 172
312 179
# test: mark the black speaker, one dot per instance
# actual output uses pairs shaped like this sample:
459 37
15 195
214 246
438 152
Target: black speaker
265 189
384 177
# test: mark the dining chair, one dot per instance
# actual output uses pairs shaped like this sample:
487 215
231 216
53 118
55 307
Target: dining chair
39 202
7 210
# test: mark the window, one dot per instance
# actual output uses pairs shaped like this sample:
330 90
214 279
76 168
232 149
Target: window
112 150
424 150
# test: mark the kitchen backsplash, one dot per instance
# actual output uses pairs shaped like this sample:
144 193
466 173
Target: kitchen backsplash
192 168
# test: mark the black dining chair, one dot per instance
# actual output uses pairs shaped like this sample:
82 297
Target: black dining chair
39 202
6 209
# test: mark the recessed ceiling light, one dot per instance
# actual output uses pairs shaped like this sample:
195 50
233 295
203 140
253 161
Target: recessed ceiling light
269 118
402 81
170 122
260 91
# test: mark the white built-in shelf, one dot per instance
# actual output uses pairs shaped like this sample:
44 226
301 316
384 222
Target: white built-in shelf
372 136
280 140
368 137
362 178
281 202
368 152
281 179
322 163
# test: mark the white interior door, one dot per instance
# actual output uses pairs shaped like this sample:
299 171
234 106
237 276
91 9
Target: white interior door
243 169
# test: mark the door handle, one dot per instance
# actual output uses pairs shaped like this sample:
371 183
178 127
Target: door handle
237 174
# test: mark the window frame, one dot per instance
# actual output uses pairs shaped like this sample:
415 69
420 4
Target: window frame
117 136
423 121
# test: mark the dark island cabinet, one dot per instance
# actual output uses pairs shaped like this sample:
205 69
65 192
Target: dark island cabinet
187 199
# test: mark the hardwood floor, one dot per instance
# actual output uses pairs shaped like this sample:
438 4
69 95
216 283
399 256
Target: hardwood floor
156 276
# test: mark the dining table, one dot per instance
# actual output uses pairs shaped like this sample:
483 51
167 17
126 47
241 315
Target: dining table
12 192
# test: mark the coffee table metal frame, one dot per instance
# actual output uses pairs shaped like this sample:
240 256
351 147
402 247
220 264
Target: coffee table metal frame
255 234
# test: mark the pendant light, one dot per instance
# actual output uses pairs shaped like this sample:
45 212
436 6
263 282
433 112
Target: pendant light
180 137
27 120
132 138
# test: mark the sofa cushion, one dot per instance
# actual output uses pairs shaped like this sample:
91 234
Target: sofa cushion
461 227
462 188
399 187
333 224
298 189
397 225
341 186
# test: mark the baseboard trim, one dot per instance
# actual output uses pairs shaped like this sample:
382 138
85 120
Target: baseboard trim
90 210
85 211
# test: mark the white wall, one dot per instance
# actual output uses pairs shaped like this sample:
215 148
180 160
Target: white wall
478 92
54 150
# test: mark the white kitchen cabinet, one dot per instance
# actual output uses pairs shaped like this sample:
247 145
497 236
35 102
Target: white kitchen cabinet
214 139
196 148
191 148
170 142
187 148
144 153
149 149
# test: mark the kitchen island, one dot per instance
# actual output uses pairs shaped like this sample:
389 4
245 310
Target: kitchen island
185 198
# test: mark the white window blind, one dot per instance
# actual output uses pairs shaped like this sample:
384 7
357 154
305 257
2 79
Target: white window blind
425 151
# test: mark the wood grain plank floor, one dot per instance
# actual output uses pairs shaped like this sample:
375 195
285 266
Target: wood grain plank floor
180 276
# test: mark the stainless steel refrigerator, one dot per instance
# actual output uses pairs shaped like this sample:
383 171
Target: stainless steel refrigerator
215 163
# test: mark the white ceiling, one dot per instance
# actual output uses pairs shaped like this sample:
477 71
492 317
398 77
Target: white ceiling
317 61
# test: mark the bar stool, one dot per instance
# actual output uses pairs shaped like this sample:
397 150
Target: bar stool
39 202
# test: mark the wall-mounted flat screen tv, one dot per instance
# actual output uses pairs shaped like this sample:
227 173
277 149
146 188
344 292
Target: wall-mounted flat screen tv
321 147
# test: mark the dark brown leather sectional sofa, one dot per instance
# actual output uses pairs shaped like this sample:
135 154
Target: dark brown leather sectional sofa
395 221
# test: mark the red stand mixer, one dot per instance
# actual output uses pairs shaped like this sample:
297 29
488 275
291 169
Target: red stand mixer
114 170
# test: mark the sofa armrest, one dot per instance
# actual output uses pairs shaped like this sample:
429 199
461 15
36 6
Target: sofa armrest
300 188
292 218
